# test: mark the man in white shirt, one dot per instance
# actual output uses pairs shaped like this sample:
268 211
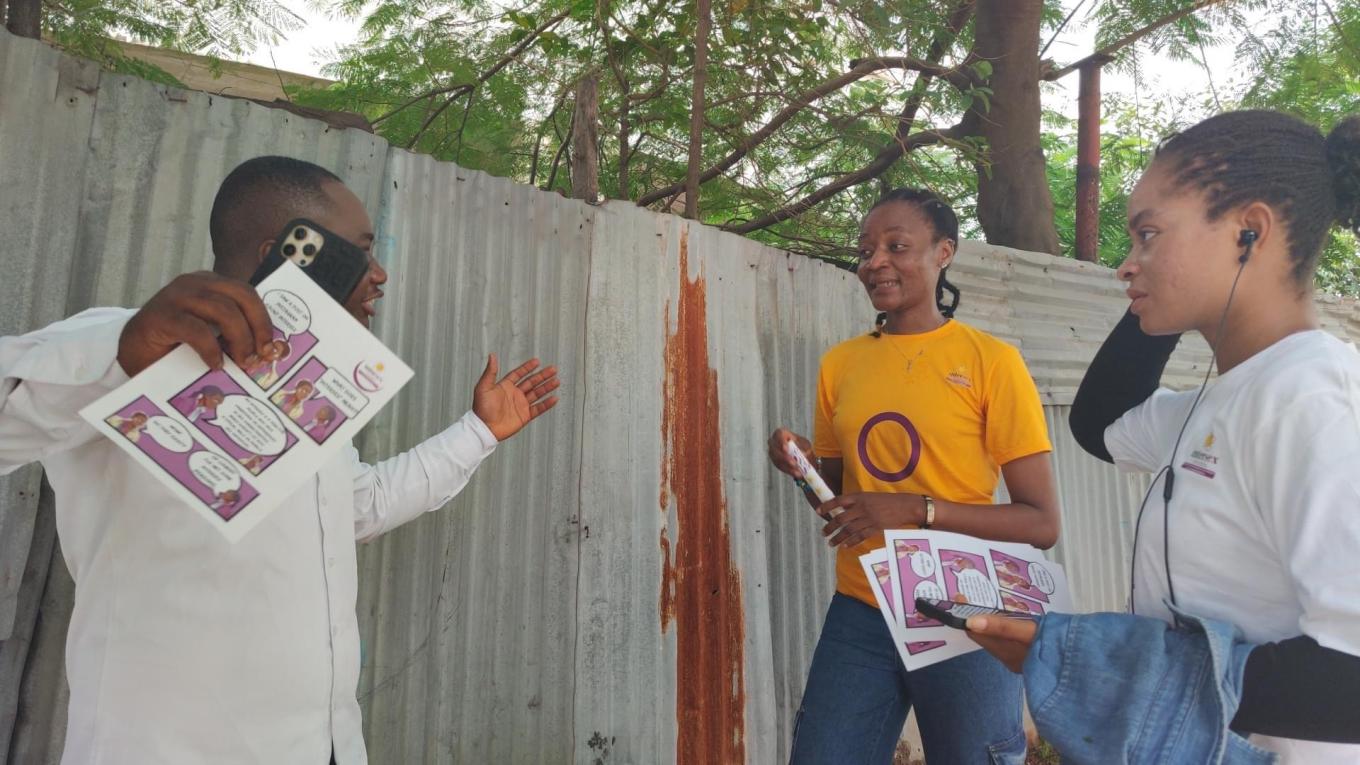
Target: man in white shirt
184 648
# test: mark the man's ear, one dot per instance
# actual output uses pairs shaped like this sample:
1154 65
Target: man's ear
263 251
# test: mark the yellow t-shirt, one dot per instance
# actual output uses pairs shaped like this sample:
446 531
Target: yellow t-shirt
937 413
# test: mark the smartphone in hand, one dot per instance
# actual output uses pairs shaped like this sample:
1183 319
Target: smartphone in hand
956 615
333 262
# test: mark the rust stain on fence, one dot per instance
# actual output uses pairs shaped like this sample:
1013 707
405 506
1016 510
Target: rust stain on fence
701 586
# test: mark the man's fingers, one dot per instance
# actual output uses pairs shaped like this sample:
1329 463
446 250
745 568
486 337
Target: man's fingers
522 371
221 311
252 309
543 389
488 378
533 381
542 407
198 334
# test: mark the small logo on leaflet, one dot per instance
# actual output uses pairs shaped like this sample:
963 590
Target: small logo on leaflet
369 377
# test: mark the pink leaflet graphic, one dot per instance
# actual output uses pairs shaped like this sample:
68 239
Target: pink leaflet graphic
248 430
922 647
304 404
966 579
213 479
1012 602
883 572
283 353
1016 575
916 571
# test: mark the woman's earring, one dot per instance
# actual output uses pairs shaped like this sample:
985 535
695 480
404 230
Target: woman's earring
879 323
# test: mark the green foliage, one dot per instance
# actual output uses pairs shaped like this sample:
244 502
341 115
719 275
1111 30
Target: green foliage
216 28
491 86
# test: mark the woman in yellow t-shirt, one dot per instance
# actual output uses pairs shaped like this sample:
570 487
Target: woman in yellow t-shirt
915 422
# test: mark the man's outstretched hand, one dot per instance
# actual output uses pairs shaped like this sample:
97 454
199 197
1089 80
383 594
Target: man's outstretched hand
508 404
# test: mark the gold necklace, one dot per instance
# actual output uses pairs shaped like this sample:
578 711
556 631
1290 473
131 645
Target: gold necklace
911 360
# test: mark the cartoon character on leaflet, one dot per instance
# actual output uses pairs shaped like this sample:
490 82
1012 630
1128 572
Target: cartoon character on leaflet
321 421
266 371
1012 603
225 501
131 426
292 401
1010 576
253 463
206 401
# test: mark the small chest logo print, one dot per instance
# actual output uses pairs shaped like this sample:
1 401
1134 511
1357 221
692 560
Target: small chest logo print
1203 461
960 377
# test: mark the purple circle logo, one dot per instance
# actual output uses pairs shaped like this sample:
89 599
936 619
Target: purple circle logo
913 458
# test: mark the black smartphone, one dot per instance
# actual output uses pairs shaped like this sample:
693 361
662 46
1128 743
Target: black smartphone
333 262
956 615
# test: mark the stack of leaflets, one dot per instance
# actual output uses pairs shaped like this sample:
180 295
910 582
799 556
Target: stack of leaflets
939 565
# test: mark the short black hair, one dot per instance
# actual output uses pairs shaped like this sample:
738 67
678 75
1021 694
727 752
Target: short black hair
1259 155
945 223
259 197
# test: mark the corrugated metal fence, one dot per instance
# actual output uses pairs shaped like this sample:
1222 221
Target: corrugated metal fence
627 581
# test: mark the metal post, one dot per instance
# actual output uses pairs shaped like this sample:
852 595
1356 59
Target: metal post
1088 162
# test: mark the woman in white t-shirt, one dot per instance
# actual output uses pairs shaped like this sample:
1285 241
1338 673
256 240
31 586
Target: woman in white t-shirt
1257 474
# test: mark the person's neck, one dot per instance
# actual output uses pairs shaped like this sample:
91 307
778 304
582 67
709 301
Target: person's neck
914 321
1251 328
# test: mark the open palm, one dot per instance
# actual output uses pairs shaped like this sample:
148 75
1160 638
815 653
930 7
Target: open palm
508 404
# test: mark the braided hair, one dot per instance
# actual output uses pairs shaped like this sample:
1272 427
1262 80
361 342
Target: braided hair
945 225
1258 155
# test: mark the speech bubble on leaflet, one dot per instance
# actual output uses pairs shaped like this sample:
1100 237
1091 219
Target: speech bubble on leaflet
928 590
252 425
215 472
1041 578
977 588
290 314
171 435
922 564
337 389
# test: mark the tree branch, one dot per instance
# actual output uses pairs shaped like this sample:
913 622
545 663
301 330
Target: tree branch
1105 54
884 160
505 61
860 68
901 142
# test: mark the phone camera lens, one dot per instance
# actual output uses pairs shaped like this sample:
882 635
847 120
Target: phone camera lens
300 233
289 250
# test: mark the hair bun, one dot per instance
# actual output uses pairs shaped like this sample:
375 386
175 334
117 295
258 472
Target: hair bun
1343 155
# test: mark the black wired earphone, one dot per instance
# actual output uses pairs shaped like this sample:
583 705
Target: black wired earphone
1246 239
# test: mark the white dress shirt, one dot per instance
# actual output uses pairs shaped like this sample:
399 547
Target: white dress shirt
184 648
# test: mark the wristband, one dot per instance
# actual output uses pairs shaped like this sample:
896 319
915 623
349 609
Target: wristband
930 513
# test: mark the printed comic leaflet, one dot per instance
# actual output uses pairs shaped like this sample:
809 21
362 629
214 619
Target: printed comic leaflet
234 443
945 566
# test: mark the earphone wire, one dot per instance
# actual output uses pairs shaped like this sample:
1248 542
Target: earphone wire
1168 485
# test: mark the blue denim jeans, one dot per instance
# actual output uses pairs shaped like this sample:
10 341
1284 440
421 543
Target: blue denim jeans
969 708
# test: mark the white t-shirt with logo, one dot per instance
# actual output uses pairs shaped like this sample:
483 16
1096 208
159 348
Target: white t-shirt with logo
1265 510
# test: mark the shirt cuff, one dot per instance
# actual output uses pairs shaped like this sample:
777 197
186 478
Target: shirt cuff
484 434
